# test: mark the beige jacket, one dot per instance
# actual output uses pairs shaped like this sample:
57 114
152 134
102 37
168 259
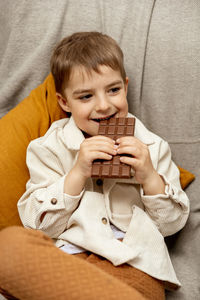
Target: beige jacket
84 220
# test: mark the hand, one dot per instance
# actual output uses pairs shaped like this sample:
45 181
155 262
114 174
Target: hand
96 147
139 159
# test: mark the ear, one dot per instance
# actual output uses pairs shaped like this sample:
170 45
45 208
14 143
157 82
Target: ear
126 86
63 102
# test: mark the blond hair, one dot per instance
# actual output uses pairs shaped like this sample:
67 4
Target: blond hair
86 49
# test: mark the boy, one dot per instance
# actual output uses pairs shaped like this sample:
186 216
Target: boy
122 220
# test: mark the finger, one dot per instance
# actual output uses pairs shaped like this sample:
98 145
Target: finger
100 138
100 155
132 161
129 140
105 149
104 146
99 144
130 150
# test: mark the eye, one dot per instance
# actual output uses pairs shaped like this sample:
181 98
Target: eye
85 97
114 90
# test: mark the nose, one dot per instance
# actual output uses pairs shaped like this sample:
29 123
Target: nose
102 103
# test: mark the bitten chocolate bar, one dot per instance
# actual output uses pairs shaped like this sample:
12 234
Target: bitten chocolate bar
113 128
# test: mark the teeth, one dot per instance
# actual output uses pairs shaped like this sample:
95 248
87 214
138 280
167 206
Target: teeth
104 118
98 120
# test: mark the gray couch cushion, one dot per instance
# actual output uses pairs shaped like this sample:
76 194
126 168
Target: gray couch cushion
170 106
32 28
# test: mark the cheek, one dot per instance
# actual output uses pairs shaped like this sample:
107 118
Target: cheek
81 111
123 104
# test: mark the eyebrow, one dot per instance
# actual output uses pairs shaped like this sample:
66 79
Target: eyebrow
76 92
82 91
114 83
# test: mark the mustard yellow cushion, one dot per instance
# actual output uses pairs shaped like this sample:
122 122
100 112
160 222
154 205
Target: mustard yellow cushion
28 120
185 177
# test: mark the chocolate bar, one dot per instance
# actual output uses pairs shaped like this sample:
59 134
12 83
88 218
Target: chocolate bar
113 128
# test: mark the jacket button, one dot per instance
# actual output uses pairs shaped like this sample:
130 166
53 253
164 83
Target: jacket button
99 182
104 220
53 201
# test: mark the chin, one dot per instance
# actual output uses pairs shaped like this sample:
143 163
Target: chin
92 131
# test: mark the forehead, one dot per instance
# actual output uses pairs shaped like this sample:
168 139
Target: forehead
81 76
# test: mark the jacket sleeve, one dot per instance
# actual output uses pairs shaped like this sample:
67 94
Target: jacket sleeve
169 211
44 205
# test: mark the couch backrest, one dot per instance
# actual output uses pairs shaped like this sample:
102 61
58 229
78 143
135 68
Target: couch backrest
170 98
31 32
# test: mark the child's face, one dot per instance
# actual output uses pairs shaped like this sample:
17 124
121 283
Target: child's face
95 96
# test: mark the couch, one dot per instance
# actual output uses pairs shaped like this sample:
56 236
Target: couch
160 40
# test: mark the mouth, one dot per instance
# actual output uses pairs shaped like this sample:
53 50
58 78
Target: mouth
104 118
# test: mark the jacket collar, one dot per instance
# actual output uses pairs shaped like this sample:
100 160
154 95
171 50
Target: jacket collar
74 136
141 132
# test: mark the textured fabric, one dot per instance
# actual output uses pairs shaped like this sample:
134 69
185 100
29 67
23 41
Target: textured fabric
175 39
45 272
171 84
185 177
29 120
146 285
31 29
